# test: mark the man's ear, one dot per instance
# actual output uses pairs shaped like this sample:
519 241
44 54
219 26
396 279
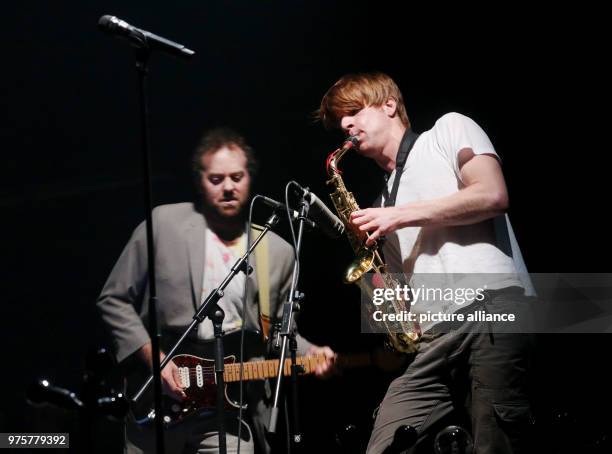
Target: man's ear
390 107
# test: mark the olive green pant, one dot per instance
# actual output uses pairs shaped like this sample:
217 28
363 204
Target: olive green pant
475 375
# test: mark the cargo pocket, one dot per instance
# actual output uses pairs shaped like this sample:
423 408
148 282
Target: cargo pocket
514 412
516 421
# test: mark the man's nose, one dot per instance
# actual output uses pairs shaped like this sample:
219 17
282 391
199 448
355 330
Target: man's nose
228 185
346 123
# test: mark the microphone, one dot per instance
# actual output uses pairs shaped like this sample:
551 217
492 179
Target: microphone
142 38
43 392
325 219
281 206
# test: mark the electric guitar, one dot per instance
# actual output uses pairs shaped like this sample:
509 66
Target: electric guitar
198 378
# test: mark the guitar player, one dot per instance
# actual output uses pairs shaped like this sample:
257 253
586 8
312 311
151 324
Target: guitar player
196 244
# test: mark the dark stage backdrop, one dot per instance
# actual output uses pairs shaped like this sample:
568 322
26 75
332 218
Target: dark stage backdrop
71 175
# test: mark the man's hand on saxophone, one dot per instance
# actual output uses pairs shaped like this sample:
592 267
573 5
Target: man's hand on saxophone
378 221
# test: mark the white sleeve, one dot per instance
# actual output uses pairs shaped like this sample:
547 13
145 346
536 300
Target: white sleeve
455 131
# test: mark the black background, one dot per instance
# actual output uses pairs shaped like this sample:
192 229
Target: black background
71 175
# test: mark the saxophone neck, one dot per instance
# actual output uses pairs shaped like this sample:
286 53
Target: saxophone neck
332 162
335 156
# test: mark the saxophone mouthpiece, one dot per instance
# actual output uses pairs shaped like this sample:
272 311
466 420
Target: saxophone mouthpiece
351 142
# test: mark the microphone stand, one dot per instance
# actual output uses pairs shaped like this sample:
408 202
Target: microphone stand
209 308
142 60
288 333
143 42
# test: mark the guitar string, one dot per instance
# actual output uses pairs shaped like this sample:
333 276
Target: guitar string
193 369
267 372
236 365
273 362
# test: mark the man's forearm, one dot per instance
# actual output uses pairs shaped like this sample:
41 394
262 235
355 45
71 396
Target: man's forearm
468 206
145 354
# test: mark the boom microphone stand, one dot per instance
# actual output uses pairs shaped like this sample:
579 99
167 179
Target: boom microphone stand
288 333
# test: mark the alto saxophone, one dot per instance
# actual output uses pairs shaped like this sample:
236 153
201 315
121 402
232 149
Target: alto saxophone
402 336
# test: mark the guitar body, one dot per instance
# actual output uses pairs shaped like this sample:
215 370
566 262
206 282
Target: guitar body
200 388
197 368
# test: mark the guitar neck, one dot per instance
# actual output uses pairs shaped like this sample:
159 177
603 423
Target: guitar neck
258 370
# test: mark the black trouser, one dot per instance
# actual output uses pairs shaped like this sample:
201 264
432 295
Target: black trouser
476 369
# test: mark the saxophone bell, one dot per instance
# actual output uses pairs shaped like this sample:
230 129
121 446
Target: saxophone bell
359 266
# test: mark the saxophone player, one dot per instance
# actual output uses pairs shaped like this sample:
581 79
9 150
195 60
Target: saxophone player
442 210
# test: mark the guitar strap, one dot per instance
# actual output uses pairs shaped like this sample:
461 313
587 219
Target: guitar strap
262 274
262 270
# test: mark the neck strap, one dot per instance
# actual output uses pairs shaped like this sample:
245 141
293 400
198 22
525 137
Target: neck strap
406 145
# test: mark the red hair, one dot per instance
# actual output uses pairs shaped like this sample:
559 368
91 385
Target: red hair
353 92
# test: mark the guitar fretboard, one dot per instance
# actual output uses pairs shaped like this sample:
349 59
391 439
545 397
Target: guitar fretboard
258 370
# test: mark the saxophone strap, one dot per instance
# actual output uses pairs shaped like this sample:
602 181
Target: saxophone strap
408 141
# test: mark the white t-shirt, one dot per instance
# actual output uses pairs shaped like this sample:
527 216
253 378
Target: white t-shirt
460 253
217 264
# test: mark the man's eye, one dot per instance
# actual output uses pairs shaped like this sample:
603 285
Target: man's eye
237 178
215 180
